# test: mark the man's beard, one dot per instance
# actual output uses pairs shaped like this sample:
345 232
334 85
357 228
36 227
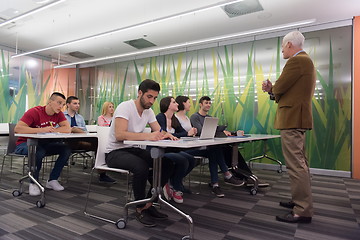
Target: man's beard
143 104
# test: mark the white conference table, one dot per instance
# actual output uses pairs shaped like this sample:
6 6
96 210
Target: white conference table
32 142
158 150
4 133
4 129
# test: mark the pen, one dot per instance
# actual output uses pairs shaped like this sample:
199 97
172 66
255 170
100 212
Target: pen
51 124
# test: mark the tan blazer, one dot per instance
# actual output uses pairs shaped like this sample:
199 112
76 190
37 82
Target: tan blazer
293 92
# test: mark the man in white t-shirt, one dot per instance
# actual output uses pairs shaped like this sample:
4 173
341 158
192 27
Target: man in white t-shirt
130 120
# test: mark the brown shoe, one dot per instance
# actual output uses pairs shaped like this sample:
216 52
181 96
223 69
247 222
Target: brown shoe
290 218
289 204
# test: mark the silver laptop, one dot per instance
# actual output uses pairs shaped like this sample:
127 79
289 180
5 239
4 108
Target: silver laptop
208 129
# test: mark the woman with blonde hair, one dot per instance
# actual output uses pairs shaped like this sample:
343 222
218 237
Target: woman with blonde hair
107 113
104 120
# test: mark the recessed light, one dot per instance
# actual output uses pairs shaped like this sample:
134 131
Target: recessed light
31 63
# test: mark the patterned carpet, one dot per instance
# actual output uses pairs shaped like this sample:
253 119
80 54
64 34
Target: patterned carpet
237 216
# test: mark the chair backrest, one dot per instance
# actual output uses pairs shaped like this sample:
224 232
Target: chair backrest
103 136
4 127
91 128
12 139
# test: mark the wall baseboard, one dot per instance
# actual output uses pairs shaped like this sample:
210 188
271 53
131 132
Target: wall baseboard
324 172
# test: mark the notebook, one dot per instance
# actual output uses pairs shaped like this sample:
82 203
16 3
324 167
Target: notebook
208 129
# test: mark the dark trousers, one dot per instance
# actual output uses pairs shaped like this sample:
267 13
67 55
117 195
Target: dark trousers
184 163
216 158
138 161
242 165
87 144
48 148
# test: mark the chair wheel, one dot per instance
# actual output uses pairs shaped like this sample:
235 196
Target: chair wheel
253 191
40 204
16 193
185 238
120 224
279 170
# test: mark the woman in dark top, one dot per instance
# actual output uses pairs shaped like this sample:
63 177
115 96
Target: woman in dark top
183 161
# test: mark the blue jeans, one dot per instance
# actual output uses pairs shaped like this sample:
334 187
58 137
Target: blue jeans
184 163
216 157
46 148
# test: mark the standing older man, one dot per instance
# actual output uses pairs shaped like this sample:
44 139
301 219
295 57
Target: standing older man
293 92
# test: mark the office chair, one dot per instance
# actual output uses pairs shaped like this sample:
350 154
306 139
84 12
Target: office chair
201 162
103 135
10 150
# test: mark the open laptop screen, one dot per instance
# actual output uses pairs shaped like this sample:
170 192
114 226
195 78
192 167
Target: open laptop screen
209 128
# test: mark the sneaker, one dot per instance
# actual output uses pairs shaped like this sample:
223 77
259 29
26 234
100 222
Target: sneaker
34 190
234 181
177 197
154 213
168 192
217 191
250 183
54 185
145 219
103 178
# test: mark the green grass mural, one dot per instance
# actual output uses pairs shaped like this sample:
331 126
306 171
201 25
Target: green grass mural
230 75
329 143
29 91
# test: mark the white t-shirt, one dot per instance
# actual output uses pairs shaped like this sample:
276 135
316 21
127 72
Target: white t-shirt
186 124
136 123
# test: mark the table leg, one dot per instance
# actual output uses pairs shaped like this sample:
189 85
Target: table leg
266 156
234 164
157 154
32 144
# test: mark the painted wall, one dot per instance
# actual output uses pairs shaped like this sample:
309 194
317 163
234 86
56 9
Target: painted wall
27 82
232 76
356 100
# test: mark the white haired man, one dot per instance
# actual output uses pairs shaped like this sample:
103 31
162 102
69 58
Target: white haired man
293 92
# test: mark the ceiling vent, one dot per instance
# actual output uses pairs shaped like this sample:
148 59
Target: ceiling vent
80 55
140 43
242 8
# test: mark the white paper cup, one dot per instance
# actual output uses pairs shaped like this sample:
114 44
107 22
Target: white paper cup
239 133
